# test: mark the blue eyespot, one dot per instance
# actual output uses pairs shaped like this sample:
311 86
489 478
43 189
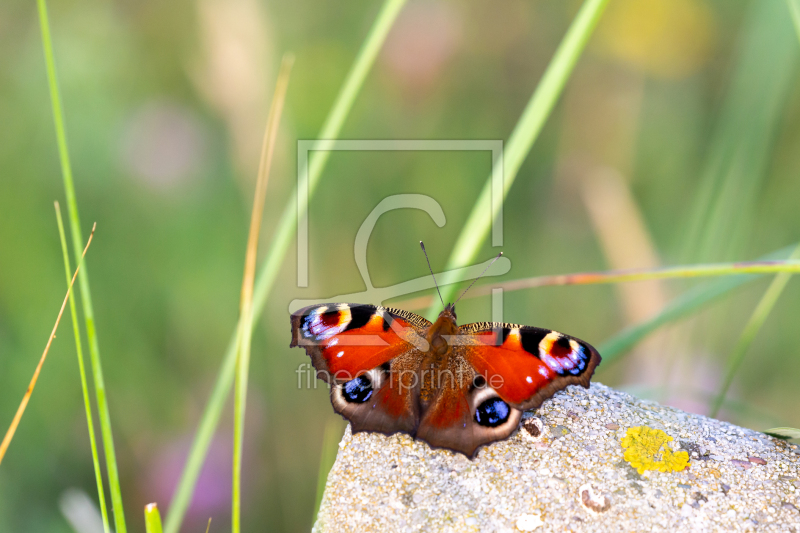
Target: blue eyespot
493 412
357 390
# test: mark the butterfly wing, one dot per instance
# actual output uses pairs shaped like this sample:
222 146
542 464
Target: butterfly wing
527 365
369 355
464 412
384 378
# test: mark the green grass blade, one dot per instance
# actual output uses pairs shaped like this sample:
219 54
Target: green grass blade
83 276
239 404
330 130
685 304
274 261
743 138
327 456
794 9
352 85
682 306
522 139
152 518
784 433
750 331
98 474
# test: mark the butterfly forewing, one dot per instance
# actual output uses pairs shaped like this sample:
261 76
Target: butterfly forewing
346 340
527 365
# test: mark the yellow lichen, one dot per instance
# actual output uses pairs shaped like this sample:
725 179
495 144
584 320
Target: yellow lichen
648 449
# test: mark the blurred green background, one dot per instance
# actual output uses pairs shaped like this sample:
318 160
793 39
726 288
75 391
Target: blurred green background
676 141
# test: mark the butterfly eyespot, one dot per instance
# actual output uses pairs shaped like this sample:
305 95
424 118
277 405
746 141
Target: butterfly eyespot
492 412
357 390
563 344
323 323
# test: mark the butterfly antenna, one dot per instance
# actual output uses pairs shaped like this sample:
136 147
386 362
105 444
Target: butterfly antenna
479 277
429 268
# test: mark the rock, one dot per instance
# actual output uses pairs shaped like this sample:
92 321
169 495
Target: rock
570 473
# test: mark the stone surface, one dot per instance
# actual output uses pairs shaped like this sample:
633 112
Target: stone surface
563 470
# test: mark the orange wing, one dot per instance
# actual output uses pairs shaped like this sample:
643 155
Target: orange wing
347 340
370 357
527 365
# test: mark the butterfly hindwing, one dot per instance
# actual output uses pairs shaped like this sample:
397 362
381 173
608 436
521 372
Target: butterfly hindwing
369 357
383 399
527 365
464 412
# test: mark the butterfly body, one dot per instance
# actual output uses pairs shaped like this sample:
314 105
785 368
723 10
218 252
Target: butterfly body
454 387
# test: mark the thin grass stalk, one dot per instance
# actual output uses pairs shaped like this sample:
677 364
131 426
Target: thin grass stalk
523 137
622 276
754 324
692 300
274 260
152 519
330 131
83 278
688 302
98 474
246 300
626 276
27 396
740 147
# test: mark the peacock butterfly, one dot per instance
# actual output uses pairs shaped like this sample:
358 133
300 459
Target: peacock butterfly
454 387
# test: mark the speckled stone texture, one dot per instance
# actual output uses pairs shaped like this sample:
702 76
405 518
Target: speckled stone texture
564 471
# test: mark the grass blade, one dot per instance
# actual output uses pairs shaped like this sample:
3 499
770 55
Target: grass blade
681 306
83 279
246 301
742 141
522 138
784 433
750 331
152 518
27 396
794 9
274 261
98 474
327 456
622 276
